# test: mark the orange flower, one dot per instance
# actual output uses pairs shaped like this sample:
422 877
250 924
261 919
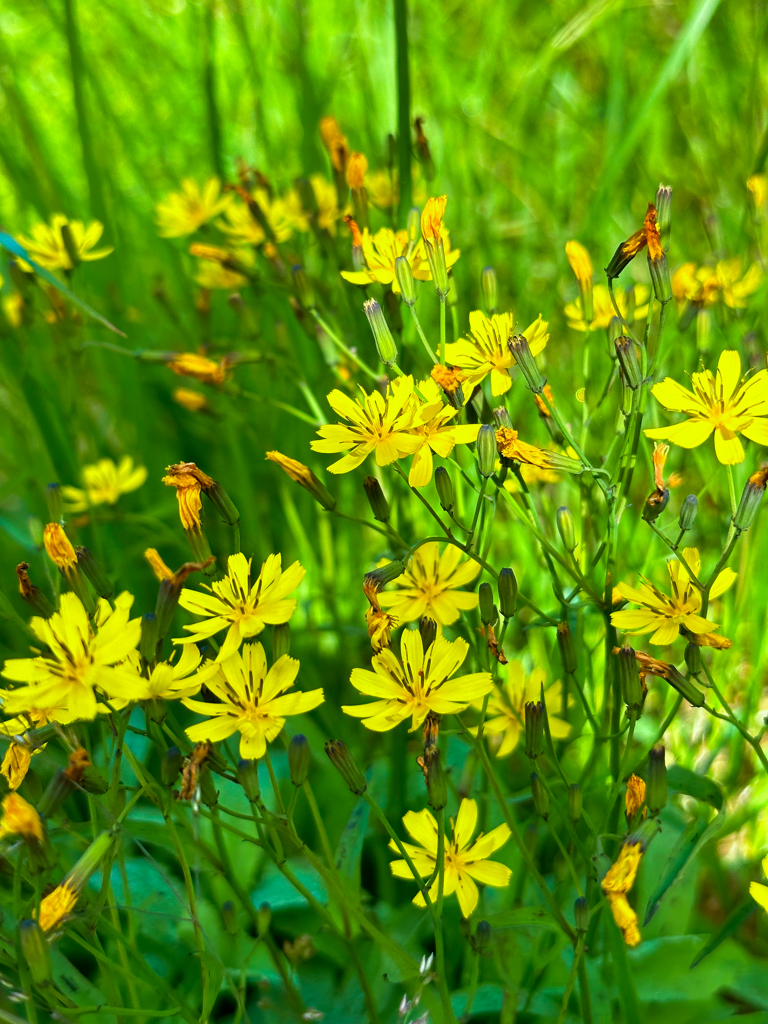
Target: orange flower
20 819
335 142
432 217
188 481
652 237
356 170
207 371
59 547
450 378
635 796
357 237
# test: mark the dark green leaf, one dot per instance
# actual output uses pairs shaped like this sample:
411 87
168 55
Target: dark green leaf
735 919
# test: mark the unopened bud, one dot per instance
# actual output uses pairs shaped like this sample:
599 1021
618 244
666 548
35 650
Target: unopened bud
507 585
575 801
655 505
501 417
685 687
382 336
377 501
534 729
703 326
659 271
490 286
567 649
482 936
540 796
435 251
299 756
486 451
627 354
581 914
663 204
631 687
229 916
263 919
36 952
615 330
55 503
688 512
693 658
248 777
378 578
434 776
224 504
170 766
93 572
33 595
404 275
751 497
566 528
303 287
208 792
526 360
281 640
342 760
656 782
444 486
149 637
428 631
487 610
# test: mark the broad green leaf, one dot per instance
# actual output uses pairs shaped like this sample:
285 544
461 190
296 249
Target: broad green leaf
735 919
15 249
214 970
684 850
683 780
523 917
76 986
350 848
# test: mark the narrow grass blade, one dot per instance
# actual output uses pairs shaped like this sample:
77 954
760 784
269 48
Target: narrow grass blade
732 923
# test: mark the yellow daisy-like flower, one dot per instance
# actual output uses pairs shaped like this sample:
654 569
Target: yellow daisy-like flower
663 614
215 277
603 311
505 716
431 586
758 186
81 660
727 281
239 606
326 197
253 701
466 860
758 891
618 881
244 228
437 434
725 404
377 423
57 905
486 351
168 680
422 683
182 213
382 249
20 819
104 483
46 246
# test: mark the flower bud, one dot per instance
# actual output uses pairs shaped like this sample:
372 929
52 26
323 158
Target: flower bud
444 486
751 497
378 578
93 572
90 860
659 271
428 631
33 595
303 287
685 687
615 330
281 640
534 729
385 343
482 937
507 585
502 417
631 688
377 501
224 504
693 658
656 782
434 776
170 766
486 451
581 914
404 275
208 792
663 206
688 512
263 919
229 917
566 528
150 638
55 503
567 649
299 756
93 782
526 360
248 777
643 834
625 253
490 288
413 225
435 252
627 354
703 326
35 949
342 760
655 504
304 476
575 800
540 796
487 610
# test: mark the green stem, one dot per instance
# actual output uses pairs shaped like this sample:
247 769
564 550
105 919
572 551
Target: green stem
343 348
445 995
403 108
423 337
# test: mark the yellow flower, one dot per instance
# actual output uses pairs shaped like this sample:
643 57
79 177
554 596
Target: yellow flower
327 200
104 483
759 892
20 819
486 351
238 606
57 905
603 311
758 186
663 615
189 399
188 481
207 371
435 432
159 568
511 447
580 261
253 700
335 142
80 661
46 246
58 547
432 217
380 625
13 307
304 476
635 796
505 717
726 281
182 213
422 683
215 276
167 681
430 586
724 403
244 228
377 423
16 762
466 860
618 881
357 166
382 249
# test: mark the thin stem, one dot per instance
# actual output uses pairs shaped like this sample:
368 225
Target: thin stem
423 337
442 330
445 995
343 348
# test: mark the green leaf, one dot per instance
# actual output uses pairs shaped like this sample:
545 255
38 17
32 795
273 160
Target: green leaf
735 919
214 970
624 980
15 249
523 917
350 848
683 852
683 780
